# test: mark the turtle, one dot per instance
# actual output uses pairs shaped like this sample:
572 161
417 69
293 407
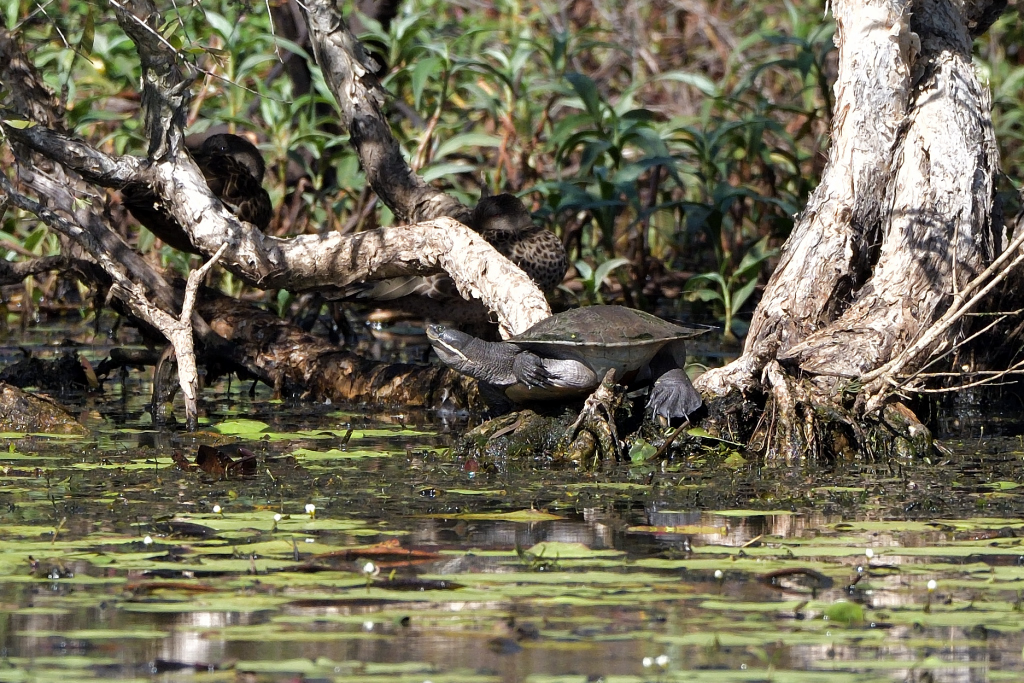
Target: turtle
568 354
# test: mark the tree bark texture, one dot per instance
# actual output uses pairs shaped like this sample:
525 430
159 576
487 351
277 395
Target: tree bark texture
308 261
902 219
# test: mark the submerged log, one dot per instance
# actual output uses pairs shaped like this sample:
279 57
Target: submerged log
300 363
24 412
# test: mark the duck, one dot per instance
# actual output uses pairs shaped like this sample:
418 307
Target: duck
233 168
505 222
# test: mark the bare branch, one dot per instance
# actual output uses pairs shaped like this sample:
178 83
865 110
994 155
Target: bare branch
180 336
988 378
963 302
349 71
90 163
13 273
165 85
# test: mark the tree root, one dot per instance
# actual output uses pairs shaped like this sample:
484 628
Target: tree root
816 420
593 437
590 441
517 438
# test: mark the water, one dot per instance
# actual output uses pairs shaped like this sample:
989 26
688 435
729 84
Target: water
119 561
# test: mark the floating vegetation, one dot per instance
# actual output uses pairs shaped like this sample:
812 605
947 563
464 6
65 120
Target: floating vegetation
380 558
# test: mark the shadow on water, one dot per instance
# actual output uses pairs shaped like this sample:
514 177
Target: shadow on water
120 560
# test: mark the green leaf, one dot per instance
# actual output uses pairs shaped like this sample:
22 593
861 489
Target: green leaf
219 24
20 125
88 33
734 460
516 516
250 63
698 81
754 257
698 280
584 269
424 69
845 613
702 433
742 294
592 151
239 427
702 295
34 238
292 47
641 451
587 90
435 171
466 141
607 267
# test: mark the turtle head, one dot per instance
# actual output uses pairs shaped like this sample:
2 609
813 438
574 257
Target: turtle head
489 362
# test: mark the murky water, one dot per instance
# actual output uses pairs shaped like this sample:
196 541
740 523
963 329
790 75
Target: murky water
119 561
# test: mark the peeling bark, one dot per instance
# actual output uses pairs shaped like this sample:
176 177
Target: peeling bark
901 222
304 262
829 251
937 209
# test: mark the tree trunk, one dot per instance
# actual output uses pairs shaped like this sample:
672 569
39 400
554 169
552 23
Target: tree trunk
901 222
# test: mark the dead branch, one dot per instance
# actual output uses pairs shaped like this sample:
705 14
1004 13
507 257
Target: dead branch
14 273
180 336
349 70
885 376
304 262
938 355
309 261
177 331
298 362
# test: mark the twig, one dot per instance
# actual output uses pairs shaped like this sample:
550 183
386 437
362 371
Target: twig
936 358
1016 368
976 290
181 337
177 331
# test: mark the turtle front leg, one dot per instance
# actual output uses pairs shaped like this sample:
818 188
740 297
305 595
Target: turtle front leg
529 369
673 396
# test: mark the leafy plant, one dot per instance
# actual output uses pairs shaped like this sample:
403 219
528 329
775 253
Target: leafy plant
729 291
593 278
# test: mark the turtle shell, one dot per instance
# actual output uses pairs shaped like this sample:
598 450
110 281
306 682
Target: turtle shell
604 337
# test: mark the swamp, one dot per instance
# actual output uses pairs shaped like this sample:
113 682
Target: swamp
356 548
325 351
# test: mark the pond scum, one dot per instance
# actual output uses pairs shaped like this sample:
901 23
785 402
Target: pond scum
352 548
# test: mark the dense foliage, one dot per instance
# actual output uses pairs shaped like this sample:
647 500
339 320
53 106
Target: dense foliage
660 143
